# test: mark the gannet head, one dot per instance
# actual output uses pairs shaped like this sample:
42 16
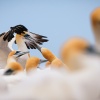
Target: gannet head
13 66
33 62
73 50
17 54
95 20
48 54
19 29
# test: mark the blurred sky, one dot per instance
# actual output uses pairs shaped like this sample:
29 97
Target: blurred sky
56 19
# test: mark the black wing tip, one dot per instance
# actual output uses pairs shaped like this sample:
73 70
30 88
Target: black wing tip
8 35
44 36
41 41
39 36
2 34
19 27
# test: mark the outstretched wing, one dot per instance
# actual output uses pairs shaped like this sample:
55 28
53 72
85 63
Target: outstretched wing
39 39
6 41
2 42
30 43
8 35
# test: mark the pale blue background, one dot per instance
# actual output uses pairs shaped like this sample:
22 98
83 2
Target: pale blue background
57 19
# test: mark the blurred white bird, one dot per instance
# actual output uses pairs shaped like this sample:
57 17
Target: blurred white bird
42 85
58 85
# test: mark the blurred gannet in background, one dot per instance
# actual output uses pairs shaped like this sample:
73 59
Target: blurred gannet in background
25 40
75 50
71 49
32 63
95 21
13 66
84 62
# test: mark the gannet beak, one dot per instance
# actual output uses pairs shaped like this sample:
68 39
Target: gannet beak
42 61
28 37
19 53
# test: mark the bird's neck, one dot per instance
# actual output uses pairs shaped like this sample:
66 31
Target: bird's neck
21 45
10 60
20 42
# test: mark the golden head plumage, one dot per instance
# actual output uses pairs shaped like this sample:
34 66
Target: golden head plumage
48 54
32 63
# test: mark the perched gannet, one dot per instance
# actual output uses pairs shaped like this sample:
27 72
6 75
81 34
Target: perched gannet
75 50
51 58
5 49
95 21
25 40
32 63
13 66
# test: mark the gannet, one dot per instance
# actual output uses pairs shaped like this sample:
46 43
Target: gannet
75 50
25 40
32 63
13 66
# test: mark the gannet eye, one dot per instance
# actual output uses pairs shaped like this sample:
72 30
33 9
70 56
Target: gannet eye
98 22
17 52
